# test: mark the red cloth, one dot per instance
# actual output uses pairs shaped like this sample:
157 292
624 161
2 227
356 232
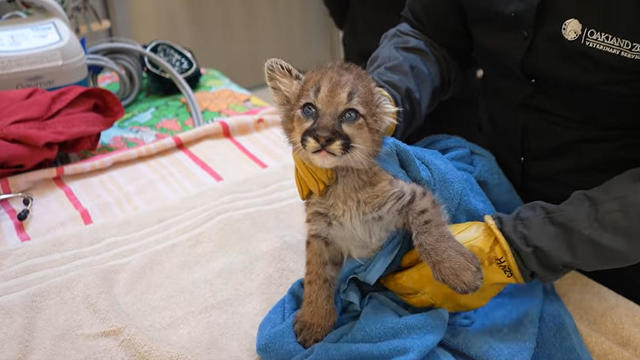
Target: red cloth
36 124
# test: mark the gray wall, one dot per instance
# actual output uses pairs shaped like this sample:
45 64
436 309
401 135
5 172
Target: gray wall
234 36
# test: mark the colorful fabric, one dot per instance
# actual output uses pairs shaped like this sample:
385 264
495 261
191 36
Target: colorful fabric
153 117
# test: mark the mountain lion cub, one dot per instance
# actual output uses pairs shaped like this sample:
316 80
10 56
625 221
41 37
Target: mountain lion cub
335 117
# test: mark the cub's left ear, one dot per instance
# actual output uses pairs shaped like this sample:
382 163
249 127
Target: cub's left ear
283 80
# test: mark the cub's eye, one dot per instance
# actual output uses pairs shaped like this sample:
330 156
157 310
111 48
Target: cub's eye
309 111
349 116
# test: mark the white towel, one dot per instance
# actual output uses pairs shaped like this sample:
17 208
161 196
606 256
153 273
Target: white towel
188 280
193 279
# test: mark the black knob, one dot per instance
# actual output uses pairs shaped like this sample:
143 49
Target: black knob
22 215
26 201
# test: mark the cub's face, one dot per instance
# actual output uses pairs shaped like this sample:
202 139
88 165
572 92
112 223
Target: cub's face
333 116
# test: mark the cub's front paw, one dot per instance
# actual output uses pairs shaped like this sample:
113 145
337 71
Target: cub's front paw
311 329
459 268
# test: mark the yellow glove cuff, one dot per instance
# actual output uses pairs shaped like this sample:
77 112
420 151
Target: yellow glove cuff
503 257
311 179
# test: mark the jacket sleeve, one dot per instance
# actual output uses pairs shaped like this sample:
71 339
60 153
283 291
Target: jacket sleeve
417 61
593 230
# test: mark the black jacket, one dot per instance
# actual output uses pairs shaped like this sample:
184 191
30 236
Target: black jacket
362 23
552 88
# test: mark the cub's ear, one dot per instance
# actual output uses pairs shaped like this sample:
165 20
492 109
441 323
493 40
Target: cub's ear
387 111
283 80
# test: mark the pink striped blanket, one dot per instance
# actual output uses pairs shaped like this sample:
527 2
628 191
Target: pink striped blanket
120 183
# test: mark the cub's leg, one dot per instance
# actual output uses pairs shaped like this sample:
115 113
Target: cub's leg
450 262
318 314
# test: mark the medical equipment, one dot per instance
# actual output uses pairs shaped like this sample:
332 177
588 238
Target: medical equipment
121 56
180 59
27 201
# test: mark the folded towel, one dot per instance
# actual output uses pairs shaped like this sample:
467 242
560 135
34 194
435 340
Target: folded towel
523 322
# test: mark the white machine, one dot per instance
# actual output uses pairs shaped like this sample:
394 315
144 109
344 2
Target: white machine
40 50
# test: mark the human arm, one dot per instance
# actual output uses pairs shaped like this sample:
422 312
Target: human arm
417 61
592 230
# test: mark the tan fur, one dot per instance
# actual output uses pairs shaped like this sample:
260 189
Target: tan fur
365 204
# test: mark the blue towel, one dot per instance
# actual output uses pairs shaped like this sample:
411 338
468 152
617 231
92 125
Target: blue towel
523 322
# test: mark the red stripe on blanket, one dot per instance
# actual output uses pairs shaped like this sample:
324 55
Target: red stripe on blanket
73 199
196 160
227 133
13 215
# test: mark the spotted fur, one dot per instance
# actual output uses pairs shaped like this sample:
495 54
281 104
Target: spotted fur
365 204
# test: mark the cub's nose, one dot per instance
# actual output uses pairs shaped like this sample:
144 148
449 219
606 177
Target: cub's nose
323 137
324 141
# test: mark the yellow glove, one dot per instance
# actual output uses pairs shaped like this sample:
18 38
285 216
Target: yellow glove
415 283
311 179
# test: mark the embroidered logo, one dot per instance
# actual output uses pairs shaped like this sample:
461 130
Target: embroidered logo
600 40
571 29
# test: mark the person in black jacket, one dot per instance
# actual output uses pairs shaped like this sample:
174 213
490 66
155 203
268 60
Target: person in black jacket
552 89
362 23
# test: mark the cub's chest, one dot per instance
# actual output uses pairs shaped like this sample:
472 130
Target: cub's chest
360 224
